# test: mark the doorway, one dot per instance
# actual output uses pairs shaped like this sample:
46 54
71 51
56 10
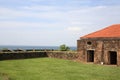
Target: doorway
113 57
90 56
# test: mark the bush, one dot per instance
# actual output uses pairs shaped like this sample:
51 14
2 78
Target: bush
64 48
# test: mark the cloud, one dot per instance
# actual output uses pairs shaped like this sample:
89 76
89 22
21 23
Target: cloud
74 29
16 14
13 24
81 17
36 0
23 25
40 8
95 2
95 17
56 23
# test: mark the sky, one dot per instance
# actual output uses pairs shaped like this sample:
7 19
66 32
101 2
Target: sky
54 22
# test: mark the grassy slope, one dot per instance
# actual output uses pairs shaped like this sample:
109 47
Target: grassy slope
56 69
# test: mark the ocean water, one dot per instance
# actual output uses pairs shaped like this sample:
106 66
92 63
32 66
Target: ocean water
33 47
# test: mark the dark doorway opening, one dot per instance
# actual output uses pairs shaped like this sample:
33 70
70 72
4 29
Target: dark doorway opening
113 57
90 56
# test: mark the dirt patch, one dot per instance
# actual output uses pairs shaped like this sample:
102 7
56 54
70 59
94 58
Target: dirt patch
4 76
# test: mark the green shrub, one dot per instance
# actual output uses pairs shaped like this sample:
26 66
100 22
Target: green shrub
63 47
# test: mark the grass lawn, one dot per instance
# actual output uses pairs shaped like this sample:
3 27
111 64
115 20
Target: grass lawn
55 69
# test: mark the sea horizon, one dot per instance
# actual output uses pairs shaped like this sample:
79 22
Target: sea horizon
25 47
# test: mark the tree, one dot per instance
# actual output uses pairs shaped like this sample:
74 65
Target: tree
63 47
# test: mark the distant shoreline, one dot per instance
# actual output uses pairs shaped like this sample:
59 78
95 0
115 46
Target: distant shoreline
12 47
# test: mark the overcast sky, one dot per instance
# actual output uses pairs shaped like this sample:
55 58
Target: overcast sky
54 22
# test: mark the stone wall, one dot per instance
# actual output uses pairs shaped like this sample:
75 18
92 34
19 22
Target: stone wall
63 55
111 45
50 54
24 55
101 48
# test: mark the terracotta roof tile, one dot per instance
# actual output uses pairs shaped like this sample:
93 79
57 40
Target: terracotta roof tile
111 31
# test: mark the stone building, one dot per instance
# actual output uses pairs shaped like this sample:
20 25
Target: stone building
101 47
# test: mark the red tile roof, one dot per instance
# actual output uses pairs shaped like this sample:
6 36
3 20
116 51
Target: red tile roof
111 31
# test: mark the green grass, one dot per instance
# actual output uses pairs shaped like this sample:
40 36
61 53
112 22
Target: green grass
55 69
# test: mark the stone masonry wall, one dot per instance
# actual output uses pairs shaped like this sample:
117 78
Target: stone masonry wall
51 54
101 49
